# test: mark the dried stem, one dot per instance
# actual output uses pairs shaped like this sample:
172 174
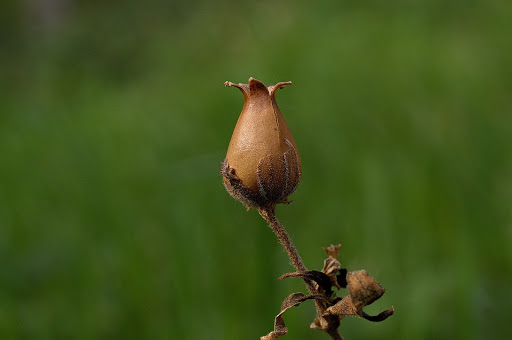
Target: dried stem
269 214
332 329
335 335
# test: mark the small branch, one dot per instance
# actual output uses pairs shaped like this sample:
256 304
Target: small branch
269 215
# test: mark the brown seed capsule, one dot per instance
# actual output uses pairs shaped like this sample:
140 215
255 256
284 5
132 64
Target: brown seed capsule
262 165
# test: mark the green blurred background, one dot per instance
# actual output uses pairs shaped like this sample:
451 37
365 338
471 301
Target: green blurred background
114 119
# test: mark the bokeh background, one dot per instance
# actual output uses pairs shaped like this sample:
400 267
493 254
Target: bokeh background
114 119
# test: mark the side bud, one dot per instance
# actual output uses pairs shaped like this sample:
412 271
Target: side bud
262 165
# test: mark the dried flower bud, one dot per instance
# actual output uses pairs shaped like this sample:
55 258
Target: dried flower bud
262 165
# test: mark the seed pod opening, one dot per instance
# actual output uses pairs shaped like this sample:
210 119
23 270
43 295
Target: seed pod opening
262 165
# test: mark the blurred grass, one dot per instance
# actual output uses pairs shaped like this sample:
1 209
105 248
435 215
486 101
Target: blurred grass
113 122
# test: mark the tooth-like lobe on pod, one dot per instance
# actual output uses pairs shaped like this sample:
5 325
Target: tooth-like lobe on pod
262 165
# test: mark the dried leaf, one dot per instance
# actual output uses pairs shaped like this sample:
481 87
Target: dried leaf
328 323
342 308
346 307
381 317
332 266
320 278
341 278
363 289
280 328
317 324
333 250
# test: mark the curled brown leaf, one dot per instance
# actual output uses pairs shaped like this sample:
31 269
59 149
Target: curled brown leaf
280 328
364 290
381 316
332 267
320 278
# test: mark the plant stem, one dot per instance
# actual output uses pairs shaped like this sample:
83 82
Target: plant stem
335 335
269 215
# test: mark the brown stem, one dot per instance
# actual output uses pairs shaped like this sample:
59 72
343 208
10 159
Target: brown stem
333 324
335 335
269 214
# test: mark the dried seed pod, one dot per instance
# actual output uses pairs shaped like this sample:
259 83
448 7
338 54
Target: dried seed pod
262 165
